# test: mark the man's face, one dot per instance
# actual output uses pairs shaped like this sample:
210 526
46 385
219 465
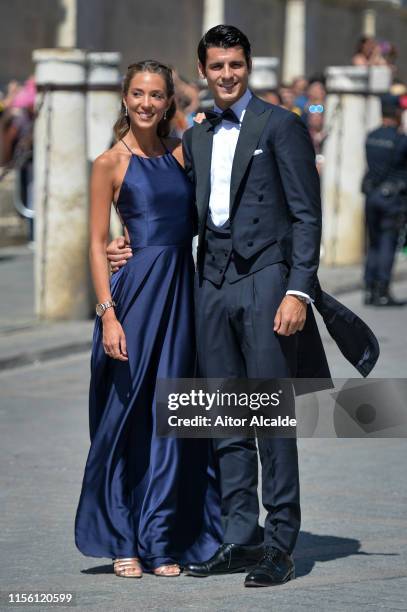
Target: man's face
227 74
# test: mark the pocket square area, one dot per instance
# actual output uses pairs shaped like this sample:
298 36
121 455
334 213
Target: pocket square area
257 152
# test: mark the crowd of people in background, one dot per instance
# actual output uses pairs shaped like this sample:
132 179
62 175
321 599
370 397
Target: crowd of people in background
16 142
17 116
370 52
304 96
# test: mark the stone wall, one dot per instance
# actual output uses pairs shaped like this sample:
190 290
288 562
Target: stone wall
25 25
167 31
170 31
392 26
262 21
332 30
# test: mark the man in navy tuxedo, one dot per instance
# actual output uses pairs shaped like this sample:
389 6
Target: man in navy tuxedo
259 213
259 232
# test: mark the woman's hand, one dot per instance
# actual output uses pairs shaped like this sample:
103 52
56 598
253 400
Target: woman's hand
114 340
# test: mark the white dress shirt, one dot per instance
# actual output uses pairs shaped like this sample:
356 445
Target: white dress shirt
225 139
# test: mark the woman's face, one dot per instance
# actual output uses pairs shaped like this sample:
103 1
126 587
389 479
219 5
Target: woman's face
146 100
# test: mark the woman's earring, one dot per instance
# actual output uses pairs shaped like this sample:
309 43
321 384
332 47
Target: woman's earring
126 112
165 115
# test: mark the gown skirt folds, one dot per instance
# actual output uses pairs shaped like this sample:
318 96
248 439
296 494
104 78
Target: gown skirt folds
144 496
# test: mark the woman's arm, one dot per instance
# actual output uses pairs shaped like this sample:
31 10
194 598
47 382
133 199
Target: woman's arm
102 188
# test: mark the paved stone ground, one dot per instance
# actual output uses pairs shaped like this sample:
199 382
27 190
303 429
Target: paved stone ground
352 550
25 340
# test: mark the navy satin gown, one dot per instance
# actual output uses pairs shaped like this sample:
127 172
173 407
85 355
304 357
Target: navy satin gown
144 496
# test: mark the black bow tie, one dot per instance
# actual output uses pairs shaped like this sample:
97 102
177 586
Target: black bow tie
217 118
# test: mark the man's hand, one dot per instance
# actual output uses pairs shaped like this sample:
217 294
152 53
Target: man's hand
199 117
118 252
290 316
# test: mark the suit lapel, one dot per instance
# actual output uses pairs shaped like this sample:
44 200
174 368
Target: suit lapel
255 118
202 140
254 121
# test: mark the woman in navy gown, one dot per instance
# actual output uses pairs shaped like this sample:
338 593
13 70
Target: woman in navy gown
146 502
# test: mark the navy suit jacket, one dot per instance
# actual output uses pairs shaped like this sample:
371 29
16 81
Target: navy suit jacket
274 194
275 203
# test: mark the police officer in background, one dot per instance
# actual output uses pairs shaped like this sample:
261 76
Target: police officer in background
385 187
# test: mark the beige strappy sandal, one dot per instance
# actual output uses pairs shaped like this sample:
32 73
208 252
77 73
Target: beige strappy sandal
170 570
127 568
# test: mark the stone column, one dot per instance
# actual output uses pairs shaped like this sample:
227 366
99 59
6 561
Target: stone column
66 33
264 73
294 40
61 186
352 109
103 101
369 22
213 14
102 110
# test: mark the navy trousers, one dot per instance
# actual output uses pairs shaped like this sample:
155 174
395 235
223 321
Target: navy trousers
382 218
235 339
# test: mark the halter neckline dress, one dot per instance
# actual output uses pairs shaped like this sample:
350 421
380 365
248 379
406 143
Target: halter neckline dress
144 496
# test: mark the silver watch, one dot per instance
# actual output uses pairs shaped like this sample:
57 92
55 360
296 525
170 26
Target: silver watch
101 308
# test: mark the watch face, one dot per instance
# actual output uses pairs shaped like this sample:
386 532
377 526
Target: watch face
100 309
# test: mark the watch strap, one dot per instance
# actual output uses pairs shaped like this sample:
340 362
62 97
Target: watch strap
103 306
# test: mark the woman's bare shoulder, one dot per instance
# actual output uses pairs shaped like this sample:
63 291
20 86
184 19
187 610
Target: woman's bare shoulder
110 159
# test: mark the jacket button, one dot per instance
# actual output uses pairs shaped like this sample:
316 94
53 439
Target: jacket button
261 196
256 220
213 257
220 271
250 243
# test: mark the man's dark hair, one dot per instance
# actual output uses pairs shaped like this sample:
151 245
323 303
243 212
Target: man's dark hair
224 36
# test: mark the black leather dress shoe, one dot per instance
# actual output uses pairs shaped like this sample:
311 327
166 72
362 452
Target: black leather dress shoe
383 297
387 300
228 559
275 567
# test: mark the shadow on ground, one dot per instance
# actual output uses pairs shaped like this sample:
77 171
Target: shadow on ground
312 548
99 569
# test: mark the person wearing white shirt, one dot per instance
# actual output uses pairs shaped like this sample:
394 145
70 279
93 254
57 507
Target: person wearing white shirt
258 201
259 231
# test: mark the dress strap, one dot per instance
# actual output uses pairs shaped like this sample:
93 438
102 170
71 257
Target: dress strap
127 147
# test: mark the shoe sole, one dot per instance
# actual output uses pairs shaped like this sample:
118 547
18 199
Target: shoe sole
231 571
290 576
